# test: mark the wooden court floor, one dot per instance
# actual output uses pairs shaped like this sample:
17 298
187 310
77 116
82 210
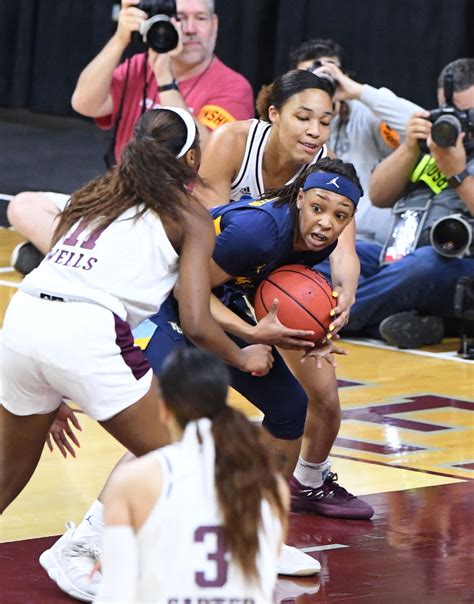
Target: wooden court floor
406 444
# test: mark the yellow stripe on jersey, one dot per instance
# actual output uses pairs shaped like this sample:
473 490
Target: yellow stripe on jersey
217 225
142 342
213 116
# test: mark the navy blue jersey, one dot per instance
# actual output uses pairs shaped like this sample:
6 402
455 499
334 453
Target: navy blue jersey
253 239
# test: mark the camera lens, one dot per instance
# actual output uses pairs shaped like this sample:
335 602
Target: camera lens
451 236
162 36
446 130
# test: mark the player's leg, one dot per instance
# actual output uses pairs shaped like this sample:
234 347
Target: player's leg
314 487
70 559
22 439
34 214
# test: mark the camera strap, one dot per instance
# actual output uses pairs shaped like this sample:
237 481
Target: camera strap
109 156
427 171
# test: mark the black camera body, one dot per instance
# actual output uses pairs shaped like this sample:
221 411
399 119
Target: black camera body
449 121
158 31
316 65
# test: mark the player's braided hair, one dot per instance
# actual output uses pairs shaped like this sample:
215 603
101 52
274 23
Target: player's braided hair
195 384
148 177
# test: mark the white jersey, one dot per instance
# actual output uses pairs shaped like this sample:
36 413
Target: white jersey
182 555
249 181
130 267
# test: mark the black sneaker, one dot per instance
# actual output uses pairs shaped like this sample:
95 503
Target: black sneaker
4 222
26 257
409 330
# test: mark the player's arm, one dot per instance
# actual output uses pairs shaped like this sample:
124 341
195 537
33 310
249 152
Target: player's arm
345 270
92 96
220 163
391 177
193 293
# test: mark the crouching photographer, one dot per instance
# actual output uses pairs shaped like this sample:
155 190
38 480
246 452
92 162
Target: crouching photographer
406 290
429 181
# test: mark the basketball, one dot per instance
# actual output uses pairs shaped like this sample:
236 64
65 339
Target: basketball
305 298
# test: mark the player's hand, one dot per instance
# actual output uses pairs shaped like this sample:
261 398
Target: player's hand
129 20
450 160
257 359
61 431
340 312
325 352
418 128
269 330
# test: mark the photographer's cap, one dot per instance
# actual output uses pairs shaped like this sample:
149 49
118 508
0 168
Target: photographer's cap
336 183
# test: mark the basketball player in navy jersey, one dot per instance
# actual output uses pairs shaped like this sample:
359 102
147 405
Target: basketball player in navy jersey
246 159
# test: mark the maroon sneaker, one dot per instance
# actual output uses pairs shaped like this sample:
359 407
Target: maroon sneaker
330 499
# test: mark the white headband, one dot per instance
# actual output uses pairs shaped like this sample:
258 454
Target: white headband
191 128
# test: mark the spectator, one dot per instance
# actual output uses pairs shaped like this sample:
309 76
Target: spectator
190 77
410 297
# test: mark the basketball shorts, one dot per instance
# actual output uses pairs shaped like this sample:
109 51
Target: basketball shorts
278 394
59 199
77 350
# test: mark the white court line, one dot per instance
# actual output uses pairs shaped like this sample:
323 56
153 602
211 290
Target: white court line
444 356
322 548
9 283
6 269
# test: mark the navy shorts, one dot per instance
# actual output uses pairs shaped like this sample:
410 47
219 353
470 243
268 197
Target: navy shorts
278 394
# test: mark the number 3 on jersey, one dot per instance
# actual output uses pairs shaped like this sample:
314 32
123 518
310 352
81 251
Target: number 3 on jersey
217 554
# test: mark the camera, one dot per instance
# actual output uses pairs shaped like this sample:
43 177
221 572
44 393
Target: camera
158 31
451 236
316 65
449 121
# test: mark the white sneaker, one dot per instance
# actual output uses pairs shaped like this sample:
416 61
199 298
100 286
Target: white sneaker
69 563
296 563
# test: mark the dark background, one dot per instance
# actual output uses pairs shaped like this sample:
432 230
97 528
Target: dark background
403 44
44 45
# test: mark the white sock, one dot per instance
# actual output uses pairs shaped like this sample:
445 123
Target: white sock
93 521
311 474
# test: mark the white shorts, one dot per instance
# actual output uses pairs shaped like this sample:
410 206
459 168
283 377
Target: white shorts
59 199
53 350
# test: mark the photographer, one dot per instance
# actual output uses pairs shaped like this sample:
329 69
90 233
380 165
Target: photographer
368 125
408 296
190 77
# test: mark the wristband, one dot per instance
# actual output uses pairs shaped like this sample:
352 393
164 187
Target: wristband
171 86
457 179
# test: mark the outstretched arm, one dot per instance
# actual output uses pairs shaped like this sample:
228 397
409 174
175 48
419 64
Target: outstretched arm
345 270
193 291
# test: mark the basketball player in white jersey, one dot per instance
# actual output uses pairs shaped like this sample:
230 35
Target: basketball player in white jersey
120 247
247 159
201 520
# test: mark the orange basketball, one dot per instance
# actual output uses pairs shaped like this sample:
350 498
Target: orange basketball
305 298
